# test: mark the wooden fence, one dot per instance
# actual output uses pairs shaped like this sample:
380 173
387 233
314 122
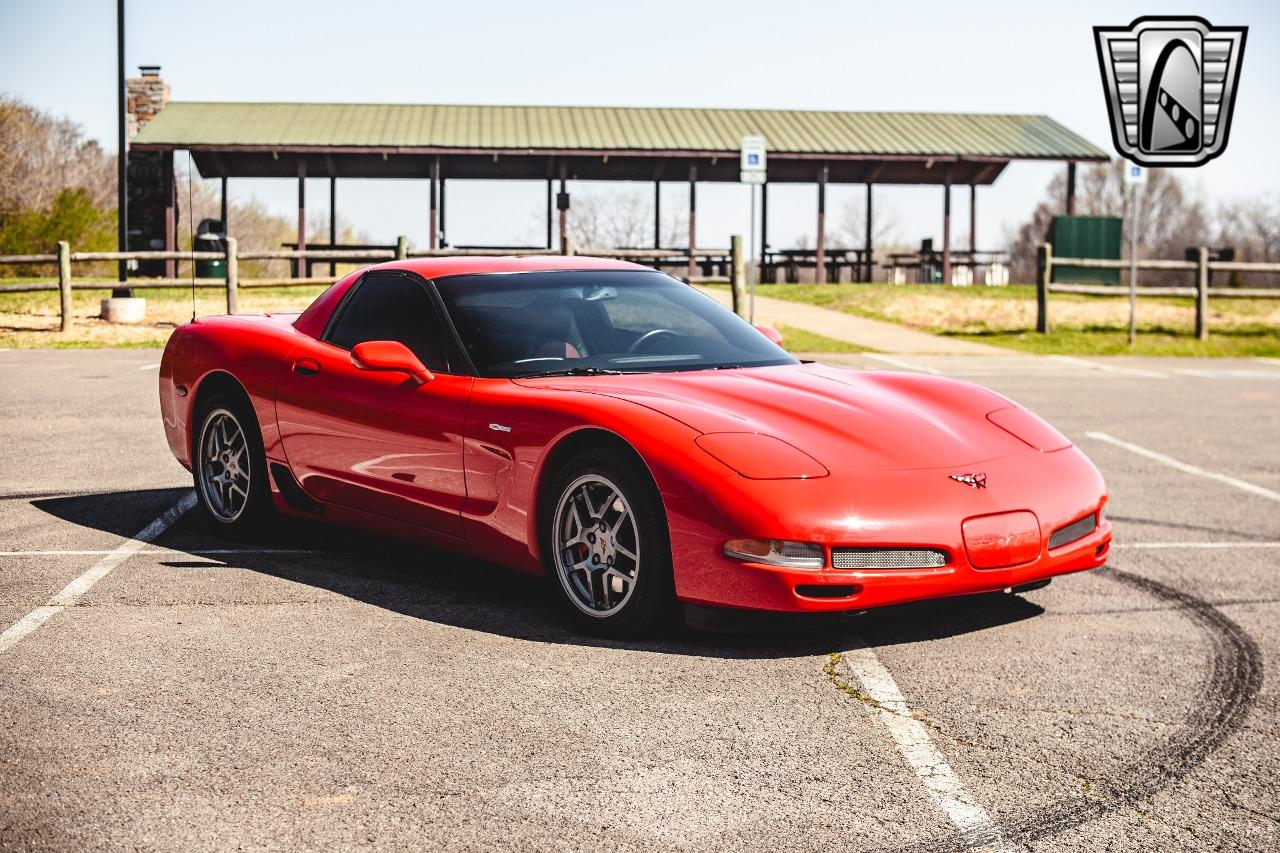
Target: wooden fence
1201 291
730 260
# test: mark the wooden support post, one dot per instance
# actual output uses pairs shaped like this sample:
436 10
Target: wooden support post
64 283
973 221
233 277
433 238
402 247
946 227
300 266
562 204
869 240
222 208
764 232
1202 294
738 275
443 233
693 216
550 193
657 214
333 221
1044 274
170 215
820 262
1071 189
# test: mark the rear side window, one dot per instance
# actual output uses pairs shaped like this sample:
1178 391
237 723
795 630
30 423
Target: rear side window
392 307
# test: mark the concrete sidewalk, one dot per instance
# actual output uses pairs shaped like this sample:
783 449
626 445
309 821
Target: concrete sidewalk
875 335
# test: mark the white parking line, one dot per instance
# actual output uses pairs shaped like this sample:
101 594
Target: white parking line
897 362
1227 374
1251 488
1109 368
1194 545
149 366
71 592
919 750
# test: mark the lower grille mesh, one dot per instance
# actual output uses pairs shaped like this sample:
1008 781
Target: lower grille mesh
887 558
1074 531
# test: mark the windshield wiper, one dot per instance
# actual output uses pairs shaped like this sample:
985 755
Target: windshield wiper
730 366
574 371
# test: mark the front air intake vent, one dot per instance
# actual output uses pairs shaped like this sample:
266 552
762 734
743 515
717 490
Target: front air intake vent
1074 531
887 558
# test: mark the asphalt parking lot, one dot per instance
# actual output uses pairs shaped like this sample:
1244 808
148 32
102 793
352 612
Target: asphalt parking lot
322 689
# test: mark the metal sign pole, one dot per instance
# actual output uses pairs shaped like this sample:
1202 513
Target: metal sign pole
1134 219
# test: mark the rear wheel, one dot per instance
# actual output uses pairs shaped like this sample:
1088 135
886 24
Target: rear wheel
230 468
608 549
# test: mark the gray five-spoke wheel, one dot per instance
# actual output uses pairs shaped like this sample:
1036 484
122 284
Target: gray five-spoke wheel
224 466
597 545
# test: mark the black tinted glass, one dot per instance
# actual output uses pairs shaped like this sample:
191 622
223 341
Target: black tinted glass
393 308
523 324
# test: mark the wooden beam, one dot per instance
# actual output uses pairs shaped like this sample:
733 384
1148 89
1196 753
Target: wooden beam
973 221
764 230
869 242
693 215
820 265
946 227
433 239
333 220
1071 189
300 266
657 214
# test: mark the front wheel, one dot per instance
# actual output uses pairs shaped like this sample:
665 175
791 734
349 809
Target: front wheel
230 468
609 550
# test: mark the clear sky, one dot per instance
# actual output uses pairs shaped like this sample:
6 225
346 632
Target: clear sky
1017 57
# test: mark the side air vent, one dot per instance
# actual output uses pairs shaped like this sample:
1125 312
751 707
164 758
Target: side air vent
887 558
1074 531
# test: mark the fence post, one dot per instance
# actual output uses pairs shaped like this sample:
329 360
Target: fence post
233 277
402 247
737 274
64 283
568 244
1044 272
1202 294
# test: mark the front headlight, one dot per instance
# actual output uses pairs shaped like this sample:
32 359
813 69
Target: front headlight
777 552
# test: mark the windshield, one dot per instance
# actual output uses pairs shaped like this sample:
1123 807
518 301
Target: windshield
597 321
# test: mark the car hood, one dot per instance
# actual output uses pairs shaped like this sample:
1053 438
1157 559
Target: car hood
844 419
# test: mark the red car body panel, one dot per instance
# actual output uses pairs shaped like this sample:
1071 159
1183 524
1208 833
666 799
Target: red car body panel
796 452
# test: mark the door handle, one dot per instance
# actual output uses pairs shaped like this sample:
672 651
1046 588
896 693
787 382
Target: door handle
306 367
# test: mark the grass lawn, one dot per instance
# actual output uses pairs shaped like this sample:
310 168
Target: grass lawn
799 340
1083 325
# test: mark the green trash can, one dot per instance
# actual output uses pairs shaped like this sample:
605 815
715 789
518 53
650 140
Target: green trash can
215 268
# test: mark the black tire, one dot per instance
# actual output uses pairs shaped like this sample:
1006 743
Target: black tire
223 508
647 604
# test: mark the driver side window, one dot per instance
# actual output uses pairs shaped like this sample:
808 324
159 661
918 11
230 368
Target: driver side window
392 307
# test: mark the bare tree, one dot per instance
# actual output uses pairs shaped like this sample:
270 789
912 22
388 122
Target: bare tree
1251 227
621 220
40 156
1170 220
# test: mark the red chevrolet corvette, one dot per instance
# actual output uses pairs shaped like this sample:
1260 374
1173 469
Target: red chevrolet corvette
617 430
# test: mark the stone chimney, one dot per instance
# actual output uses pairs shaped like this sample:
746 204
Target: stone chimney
144 97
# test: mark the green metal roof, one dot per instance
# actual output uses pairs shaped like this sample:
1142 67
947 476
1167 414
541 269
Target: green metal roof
605 129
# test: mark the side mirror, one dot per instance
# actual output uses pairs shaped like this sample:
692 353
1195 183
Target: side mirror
391 356
771 333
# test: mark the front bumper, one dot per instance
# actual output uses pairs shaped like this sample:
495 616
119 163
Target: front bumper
893 509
